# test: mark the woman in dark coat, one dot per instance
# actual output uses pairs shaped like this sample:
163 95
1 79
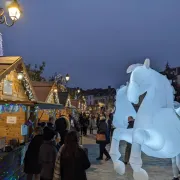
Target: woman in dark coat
31 160
103 129
72 160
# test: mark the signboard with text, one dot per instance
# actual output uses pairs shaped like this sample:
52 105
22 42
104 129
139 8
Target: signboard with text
11 120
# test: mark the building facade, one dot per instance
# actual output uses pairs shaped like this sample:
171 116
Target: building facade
96 98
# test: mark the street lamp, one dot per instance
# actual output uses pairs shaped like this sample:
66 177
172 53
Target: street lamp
60 81
14 13
67 77
78 91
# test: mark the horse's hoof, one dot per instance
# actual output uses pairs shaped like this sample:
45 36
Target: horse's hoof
140 175
119 167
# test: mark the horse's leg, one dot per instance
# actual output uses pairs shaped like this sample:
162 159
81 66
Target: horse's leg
139 137
175 168
118 135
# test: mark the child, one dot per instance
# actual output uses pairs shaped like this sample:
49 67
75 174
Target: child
47 154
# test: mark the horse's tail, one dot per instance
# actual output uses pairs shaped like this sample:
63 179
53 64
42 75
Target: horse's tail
178 111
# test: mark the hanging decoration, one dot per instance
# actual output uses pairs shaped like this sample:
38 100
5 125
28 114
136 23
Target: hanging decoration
56 98
10 108
26 85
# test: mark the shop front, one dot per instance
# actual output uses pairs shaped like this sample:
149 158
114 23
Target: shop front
17 98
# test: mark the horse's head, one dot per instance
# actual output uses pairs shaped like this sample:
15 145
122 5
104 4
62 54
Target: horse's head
123 109
140 80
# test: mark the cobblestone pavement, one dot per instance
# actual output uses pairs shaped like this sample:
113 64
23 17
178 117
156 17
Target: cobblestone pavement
158 169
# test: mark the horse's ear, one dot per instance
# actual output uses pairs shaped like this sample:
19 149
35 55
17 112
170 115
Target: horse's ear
132 67
147 63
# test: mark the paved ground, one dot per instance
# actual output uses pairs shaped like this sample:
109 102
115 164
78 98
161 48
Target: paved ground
158 169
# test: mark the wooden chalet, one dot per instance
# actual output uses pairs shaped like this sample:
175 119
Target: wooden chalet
65 100
46 92
16 97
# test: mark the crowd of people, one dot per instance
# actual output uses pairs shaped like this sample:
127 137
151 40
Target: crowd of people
54 152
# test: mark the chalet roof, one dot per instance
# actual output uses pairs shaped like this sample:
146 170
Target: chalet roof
63 97
42 89
9 63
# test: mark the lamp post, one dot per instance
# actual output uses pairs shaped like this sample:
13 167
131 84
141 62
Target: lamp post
76 93
67 78
61 80
14 10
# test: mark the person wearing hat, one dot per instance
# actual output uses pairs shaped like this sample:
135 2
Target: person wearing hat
47 154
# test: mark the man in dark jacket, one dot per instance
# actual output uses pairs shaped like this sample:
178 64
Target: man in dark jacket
47 154
31 163
62 126
128 147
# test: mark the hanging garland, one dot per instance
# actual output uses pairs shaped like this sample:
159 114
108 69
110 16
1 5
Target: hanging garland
12 108
56 98
26 85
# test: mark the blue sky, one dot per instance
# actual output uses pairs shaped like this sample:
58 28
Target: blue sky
95 40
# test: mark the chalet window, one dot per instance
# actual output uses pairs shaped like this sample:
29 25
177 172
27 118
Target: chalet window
7 88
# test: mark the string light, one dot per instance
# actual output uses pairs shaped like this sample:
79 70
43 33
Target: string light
27 88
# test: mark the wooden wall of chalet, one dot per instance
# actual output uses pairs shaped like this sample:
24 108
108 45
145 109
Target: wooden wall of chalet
17 88
13 131
44 117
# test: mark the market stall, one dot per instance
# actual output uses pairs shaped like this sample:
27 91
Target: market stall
16 98
46 93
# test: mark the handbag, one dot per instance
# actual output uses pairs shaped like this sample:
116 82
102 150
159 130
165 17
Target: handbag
100 138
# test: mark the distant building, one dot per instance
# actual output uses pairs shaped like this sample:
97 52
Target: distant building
96 98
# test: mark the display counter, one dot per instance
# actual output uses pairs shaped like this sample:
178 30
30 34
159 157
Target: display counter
11 163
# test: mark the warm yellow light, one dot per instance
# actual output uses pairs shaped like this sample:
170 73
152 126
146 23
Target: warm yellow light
55 90
14 10
14 13
20 76
67 77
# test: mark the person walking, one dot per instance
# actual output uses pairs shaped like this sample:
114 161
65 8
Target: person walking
81 122
91 123
62 126
110 125
51 123
85 124
72 160
74 124
128 147
32 166
97 120
47 154
103 136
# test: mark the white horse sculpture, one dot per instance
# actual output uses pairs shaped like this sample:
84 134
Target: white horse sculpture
124 109
157 127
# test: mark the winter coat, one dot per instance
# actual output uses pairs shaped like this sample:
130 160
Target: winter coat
130 125
74 168
92 123
75 126
85 122
103 129
62 124
31 160
47 157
